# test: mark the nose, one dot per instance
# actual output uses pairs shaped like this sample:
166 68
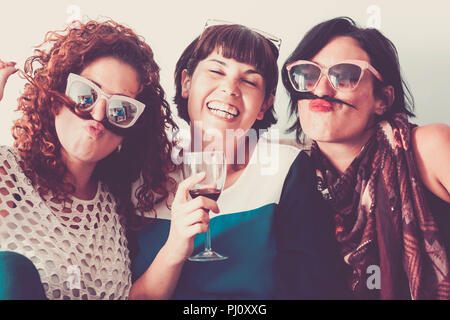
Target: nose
324 87
230 87
98 112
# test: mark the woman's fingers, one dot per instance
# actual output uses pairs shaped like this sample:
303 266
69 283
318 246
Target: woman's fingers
192 230
198 216
6 70
196 229
186 185
6 64
201 203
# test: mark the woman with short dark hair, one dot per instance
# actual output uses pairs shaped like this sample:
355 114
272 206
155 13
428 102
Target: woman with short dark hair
225 80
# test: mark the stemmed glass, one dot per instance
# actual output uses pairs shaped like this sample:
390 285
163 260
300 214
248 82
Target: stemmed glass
213 164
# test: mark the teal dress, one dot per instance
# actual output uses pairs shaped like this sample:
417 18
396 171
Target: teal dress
19 278
243 231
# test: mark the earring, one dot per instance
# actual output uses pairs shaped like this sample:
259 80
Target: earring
119 147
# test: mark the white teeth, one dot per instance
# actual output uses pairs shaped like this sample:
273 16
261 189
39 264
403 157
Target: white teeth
222 113
224 110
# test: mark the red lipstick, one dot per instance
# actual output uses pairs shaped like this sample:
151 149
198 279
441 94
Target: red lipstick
319 105
94 128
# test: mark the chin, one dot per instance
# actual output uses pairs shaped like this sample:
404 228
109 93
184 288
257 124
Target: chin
86 157
92 156
319 135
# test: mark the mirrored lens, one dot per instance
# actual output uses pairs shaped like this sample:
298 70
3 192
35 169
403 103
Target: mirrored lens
344 76
82 94
121 113
304 76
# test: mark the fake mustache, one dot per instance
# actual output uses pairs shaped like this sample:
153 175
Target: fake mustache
312 96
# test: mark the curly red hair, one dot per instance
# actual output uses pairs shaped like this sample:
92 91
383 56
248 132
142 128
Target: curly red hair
145 149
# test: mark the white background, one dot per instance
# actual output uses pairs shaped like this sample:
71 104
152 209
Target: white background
419 29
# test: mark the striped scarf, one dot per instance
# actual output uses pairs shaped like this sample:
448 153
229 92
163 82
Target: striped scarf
382 219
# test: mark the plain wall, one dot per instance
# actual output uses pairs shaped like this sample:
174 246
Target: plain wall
419 29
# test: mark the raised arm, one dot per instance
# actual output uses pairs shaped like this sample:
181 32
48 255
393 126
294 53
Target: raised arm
6 69
188 219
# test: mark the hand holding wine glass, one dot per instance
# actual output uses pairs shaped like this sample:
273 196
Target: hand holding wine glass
189 218
214 165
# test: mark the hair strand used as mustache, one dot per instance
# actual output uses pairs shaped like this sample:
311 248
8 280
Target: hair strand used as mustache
312 96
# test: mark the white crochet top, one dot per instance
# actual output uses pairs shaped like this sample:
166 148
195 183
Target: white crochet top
80 251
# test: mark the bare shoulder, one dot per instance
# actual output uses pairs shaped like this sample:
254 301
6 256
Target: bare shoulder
431 144
435 131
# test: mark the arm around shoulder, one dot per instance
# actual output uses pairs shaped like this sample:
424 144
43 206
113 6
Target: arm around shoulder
431 144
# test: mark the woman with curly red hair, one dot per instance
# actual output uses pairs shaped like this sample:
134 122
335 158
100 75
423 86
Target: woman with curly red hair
93 119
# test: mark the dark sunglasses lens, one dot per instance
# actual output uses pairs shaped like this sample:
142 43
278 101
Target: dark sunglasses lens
82 94
344 76
304 76
121 113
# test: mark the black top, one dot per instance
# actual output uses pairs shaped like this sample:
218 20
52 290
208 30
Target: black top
309 265
441 212
308 262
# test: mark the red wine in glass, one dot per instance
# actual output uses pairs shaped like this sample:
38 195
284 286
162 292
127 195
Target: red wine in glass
211 193
213 164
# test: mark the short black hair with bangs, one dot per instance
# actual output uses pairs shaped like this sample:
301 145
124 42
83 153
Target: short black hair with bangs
234 42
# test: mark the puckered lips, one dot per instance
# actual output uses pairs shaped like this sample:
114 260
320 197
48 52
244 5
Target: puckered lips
222 110
320 105
94 128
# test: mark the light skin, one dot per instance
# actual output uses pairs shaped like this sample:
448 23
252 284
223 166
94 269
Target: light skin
218 82
343 131
7 68
431 145
81 149
226 84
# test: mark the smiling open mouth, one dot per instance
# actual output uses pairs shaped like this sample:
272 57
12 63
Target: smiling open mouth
223 110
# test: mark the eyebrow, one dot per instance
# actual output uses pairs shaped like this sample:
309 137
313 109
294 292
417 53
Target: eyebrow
223 63
114 94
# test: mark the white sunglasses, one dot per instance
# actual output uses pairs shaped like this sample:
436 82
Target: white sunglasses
121 111
276 41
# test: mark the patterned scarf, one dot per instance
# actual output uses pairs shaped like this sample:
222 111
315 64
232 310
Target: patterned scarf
383 221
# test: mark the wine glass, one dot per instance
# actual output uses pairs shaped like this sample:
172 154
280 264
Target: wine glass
213 164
